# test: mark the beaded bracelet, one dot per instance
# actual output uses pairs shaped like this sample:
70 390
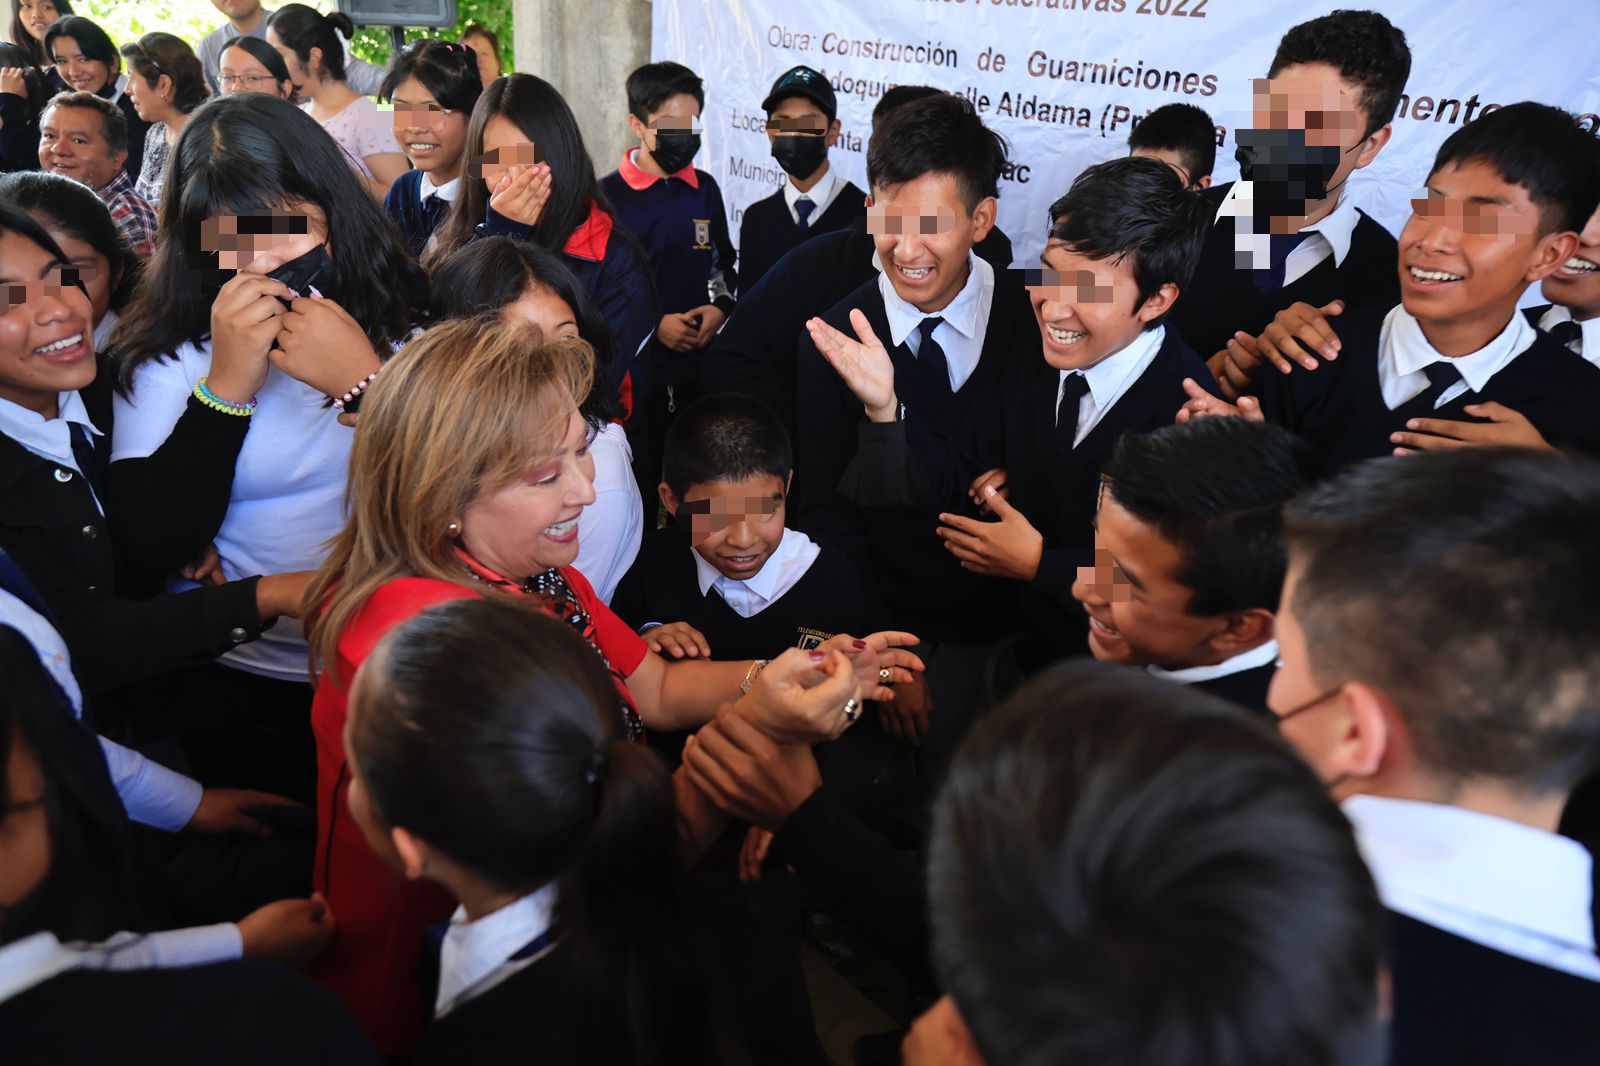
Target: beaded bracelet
203 393
349 399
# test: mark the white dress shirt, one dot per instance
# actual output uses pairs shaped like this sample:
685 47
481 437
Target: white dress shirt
1506 886
1329 236
610 531
1109 379
447 192
781 572
1403 351
1238 664
821 194
35 959
1588 338
966 318
477 956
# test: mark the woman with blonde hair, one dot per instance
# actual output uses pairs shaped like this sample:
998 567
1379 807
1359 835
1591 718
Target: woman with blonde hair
469 477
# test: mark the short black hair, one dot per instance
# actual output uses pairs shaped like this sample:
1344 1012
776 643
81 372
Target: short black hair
95 42
258 49
725 437
1215 488
1124 870
896 95
1542 149
113 126
1462 584
1182 128
937 134
1135 207
447 70
1367 50
653 84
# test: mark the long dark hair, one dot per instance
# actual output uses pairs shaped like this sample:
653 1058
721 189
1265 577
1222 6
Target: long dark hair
486 275
265 54
95 42
72 207
536 108
24 40
88 892
253 152
302 28
537 785
15 55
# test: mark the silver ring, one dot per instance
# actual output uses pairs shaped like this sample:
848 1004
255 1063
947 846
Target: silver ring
885 676
852 709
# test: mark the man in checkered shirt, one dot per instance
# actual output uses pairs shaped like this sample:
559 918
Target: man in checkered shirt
84 137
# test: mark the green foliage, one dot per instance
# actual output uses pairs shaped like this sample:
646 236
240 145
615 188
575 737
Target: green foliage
126 20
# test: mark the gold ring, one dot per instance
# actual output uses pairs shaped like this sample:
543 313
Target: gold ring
852 709
885 676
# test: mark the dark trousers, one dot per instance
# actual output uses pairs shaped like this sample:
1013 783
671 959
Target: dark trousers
242 730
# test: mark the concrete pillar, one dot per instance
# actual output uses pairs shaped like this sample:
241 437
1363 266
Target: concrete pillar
587 48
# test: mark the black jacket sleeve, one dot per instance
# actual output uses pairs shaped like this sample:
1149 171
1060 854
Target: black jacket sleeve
170 504
724 279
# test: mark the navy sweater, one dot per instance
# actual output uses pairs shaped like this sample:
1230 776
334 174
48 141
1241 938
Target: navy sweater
1222 299
417 218
1339 406
768 231
684 230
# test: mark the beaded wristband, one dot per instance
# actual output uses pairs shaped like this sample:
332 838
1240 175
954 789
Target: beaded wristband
355 392
204 394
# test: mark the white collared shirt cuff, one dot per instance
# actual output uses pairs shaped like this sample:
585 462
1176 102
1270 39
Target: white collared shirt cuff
152 794
171 949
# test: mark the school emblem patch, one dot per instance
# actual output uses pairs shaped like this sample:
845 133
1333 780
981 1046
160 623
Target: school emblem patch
702 235
811 639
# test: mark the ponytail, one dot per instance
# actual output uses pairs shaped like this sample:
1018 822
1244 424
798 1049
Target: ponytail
302 28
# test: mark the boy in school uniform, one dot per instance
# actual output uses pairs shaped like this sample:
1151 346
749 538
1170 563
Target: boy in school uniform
1124 871
802 124
1502 207
1437 633
1572 317
1031 453
1190 562
730 578
1181 136
1286 231
677 213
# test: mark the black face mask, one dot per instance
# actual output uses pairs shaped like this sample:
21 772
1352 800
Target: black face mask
1285 171
800 156
314 270
674 150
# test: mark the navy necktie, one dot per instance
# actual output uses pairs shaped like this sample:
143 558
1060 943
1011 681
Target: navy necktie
1440 377
930 358
1271 279
89 464
803 208
1568 334
1073 386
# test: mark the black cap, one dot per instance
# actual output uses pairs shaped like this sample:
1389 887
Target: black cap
803 81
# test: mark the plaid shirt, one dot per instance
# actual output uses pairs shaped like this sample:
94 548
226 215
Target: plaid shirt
132 213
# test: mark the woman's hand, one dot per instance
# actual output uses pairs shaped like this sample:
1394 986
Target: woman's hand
803 696
323 346
245 320
14 80
206 570
871 655
280 595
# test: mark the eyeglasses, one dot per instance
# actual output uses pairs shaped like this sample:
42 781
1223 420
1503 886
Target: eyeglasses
429 114
1308 705
251 82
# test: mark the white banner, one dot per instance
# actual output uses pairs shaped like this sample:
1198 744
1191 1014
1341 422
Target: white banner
1065 80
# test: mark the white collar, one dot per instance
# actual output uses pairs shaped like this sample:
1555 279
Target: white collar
1589 330
1404 344
960 314
795 546
32 961
1507 886
1336 227
1238 664
1109 378
476 956
47 643
820 194
48 438
426 189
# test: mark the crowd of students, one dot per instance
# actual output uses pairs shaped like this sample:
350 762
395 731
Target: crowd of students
462 578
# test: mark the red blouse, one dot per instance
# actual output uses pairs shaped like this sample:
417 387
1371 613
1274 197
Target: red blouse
372 963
